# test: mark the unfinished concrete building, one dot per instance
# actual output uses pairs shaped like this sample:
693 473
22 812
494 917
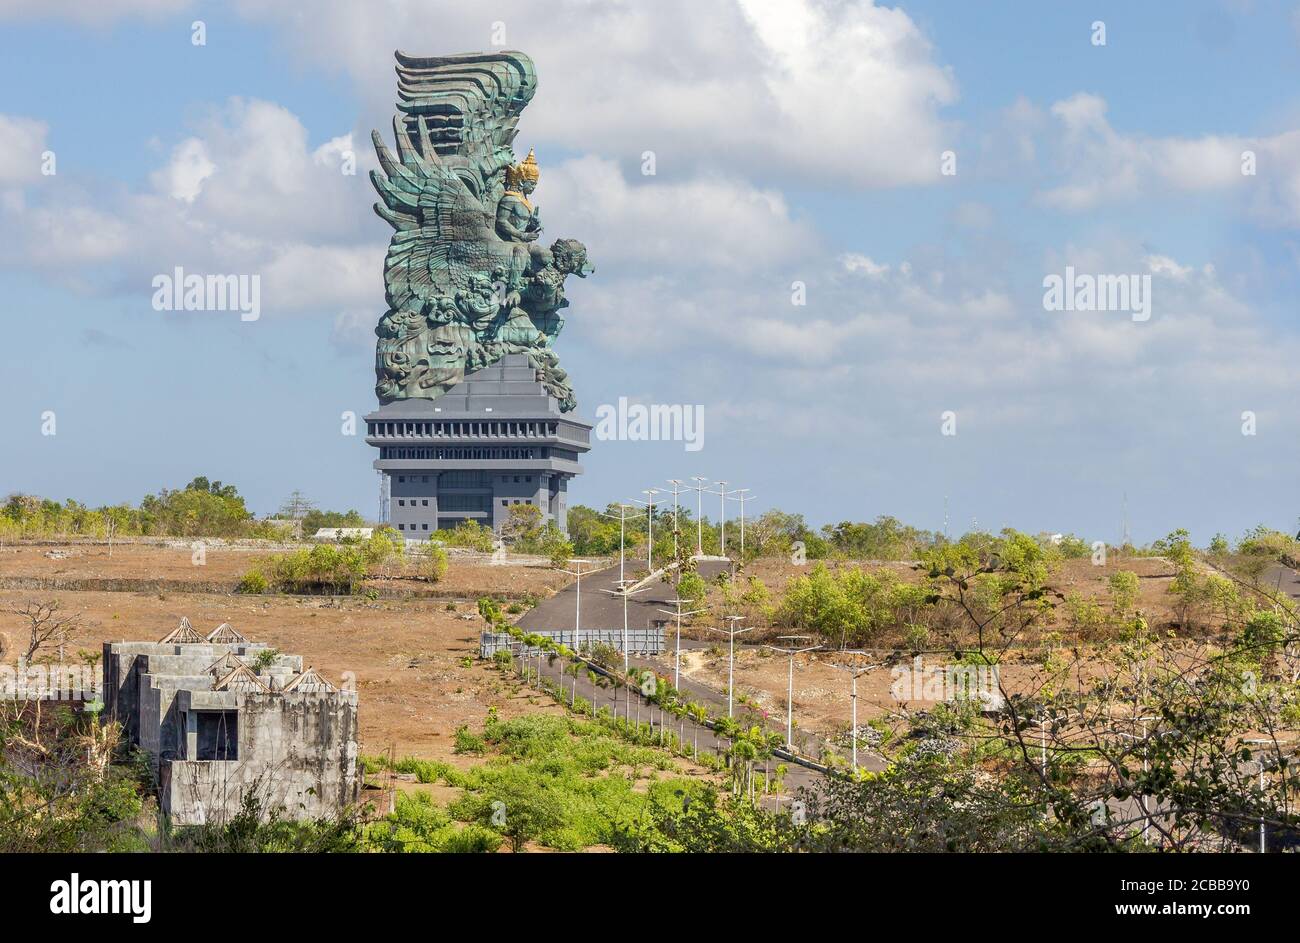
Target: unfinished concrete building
224 718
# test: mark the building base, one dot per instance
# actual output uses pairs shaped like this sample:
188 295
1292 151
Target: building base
494 441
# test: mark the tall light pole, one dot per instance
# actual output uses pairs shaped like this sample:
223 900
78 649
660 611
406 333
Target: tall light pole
650 525
1142 800
623 591
622 516
854 670
677 489
1263 849
577 606
789 695
731 632
699 490
744 496
722 523
677 657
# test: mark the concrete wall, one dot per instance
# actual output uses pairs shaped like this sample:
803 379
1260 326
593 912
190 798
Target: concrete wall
297 754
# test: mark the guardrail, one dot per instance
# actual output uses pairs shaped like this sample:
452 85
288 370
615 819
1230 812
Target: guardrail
640 641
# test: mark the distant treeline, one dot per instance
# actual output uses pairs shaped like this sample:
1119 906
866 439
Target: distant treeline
776 533
203 508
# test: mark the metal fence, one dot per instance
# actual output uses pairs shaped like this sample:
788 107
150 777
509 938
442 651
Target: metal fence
640 641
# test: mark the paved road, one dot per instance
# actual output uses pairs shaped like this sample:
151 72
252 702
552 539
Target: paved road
1283 579
604 610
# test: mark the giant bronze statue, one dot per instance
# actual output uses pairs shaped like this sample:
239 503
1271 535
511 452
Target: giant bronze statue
467 276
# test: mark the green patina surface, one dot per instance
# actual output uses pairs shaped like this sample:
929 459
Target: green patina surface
467 277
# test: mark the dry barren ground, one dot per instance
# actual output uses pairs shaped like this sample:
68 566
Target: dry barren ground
408 655
149 566
414 658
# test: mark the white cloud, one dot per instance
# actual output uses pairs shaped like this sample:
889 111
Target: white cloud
245 194
709 222
89 12
182 178
845 93
1103 165
856 262
22 141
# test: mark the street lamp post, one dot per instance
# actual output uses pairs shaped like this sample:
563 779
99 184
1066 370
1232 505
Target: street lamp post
677 656
577 606
650 525
722 523
1142 800
1254 741
677 489
743 497
622 518
699 490
623 590
789 695
854 670
731 632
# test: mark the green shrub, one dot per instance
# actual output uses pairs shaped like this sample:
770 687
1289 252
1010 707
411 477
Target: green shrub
435 566
253 582
467 742
470 535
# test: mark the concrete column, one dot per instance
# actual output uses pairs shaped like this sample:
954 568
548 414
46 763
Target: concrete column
436 480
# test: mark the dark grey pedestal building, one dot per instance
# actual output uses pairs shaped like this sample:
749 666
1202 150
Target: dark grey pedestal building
494 440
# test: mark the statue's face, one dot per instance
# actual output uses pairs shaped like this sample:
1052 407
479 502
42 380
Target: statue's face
526 185
576 263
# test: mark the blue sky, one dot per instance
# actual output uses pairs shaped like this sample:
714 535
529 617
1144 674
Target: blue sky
794 141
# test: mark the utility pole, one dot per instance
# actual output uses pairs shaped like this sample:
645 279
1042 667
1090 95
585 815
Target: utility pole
789 695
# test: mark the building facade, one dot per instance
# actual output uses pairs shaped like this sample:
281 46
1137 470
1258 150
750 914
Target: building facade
224 719
495 440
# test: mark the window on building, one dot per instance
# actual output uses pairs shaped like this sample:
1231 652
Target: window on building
424 527
424 501
401 479
401 503
218 735
401 527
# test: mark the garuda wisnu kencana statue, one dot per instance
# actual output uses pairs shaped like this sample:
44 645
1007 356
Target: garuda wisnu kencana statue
467 276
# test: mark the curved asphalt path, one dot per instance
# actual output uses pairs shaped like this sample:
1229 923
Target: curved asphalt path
602 609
